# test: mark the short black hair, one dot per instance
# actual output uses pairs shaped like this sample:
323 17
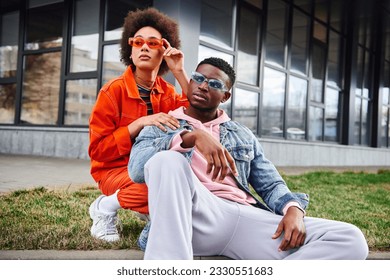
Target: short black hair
222 65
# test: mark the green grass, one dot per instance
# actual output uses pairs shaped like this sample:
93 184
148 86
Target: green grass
46 219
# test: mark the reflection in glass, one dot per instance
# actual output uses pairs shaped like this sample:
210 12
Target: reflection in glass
331 115
7 103
365 122
299 42
334 64
80 98
205 52
385 127
216 22
276 27
316 120
44 27
41 88
112 67
246 108
256 3
357 126
319 32
335 14
367 76
9 30
386 83
85 36
116 11
321 10
304 4
248 46
359 71
37 3
273 103
296 114
318 65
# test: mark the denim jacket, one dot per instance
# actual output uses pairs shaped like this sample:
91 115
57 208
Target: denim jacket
252 166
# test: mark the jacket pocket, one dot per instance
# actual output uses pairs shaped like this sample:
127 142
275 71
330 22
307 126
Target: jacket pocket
242 153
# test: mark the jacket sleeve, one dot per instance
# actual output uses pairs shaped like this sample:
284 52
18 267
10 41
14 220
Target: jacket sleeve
149 141
269 185
108 140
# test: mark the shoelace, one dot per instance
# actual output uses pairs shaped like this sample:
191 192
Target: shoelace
110 223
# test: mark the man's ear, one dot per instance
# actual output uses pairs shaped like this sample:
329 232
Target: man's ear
227 95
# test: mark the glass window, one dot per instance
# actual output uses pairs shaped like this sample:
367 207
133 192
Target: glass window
321 10
299 42
367 75
359 71
276 31
335 14
296 114
331 115
385 127
304 4
256 3
365 122
116 11
44 27
319 32
334 64
273 103
216 22
246 108
318 65
41 88
248 46
386 83
85 36
37 3
316 121
112 66
80 98
205 52
357 126
9 31
7 103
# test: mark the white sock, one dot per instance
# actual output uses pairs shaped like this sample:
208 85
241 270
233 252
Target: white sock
109 204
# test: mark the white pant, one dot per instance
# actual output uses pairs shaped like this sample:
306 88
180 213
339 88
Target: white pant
187 220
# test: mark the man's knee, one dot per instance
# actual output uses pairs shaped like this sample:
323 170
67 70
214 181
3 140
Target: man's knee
165 160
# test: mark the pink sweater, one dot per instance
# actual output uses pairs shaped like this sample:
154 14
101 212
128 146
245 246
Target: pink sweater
227 188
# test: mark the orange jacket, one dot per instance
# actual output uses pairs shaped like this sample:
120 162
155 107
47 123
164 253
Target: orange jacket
119 104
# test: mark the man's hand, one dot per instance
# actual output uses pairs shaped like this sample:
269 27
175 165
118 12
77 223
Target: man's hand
219 160
294 229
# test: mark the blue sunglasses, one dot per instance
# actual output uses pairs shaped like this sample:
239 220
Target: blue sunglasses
212 83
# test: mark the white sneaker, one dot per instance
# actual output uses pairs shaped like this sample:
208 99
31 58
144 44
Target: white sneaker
104 226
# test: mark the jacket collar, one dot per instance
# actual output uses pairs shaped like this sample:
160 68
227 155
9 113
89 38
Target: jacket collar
131 85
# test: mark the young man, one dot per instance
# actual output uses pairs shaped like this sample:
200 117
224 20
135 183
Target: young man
198 179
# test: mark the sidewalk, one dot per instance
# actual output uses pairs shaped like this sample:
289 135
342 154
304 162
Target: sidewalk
24 172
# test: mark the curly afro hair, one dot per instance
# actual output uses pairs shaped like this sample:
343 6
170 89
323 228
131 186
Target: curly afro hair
135 20
222 65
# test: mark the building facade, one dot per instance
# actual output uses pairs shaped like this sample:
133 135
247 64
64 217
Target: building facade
313 76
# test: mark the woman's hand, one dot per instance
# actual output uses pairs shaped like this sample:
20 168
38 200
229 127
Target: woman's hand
159 120
173 57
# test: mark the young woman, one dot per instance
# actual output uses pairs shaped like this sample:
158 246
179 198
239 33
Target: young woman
139 97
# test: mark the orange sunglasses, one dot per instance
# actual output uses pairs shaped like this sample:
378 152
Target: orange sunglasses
153 43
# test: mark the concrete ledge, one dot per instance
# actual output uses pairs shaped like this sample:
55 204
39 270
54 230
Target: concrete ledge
112 255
